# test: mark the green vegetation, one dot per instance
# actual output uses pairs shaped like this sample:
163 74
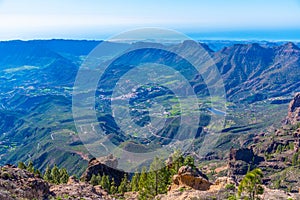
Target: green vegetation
29 168
54 175
124 185
57 176
95 180
113 187
135 182
157 180
295 159
251 184
105 182
230 187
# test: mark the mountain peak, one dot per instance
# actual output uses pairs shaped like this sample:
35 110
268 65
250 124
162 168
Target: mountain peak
252 48
195 45
288 48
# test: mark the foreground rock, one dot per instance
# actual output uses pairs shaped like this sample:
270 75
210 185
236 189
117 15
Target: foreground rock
103 166
190 194
192 184
191 178
16 183
78 190
20 184
278 195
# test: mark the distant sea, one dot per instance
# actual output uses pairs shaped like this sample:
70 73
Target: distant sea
248 35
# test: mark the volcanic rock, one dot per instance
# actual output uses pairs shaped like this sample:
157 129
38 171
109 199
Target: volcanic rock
16 183
191 178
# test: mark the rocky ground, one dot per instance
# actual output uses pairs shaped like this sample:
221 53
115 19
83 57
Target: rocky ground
16 183
189 184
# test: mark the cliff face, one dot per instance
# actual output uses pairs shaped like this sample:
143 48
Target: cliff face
294 110
239 162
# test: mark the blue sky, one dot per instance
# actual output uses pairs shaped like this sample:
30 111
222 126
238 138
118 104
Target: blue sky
98 19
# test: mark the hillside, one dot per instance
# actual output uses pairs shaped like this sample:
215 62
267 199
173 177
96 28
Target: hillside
36 89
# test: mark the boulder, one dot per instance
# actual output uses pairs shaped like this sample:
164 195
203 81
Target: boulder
221 183
191 178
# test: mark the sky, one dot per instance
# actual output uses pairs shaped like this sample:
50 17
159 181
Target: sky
99 19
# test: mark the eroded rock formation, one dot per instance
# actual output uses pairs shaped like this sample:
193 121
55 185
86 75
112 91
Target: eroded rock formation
189 177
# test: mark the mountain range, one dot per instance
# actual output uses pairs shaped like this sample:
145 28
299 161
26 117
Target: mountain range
36 84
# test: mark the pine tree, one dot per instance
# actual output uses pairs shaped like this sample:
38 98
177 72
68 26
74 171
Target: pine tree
47 175
55 175
113 187
30 167
123 187
95 180
22 165
38 173
143 180
177 162
251 184
105 182
190 161
143 185
157 178
64 176
135 182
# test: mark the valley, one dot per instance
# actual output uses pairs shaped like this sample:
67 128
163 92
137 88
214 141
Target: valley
37 80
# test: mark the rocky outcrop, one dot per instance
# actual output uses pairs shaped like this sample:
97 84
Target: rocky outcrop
78 191
21 184
103 166
221 182
191 178
294 110
109 161
17 183
240 160
216 190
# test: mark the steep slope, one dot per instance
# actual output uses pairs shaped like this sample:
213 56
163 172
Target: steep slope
253 73
35 104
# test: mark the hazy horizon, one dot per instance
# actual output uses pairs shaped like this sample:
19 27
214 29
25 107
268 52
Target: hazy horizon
98 20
